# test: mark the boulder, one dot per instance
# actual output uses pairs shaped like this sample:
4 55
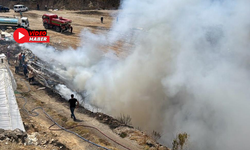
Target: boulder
2 136
16 135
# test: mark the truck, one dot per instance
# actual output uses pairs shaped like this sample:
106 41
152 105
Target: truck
52 21
14 22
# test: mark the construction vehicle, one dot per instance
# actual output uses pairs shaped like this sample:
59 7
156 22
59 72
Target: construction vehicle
14 23
52 21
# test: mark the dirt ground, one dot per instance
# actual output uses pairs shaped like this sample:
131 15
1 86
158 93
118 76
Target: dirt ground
58 108
81 20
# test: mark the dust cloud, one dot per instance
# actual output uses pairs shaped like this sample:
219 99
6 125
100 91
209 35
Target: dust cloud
187 71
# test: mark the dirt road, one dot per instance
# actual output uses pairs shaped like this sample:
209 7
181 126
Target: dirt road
80 20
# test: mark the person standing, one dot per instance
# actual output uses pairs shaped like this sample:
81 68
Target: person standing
8 57
23 57
72 105
20 59
31 76
25 69
101 19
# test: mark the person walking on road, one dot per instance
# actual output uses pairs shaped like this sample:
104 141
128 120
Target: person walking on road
73 105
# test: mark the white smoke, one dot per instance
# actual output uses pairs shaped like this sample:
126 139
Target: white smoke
186 71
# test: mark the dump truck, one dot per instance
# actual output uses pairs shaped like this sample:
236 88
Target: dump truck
14 23
52 21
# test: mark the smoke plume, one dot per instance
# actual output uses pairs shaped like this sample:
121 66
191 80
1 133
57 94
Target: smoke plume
187 69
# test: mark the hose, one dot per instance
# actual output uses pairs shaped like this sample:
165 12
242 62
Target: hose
92 128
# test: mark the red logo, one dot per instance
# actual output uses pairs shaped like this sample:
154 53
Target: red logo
21 35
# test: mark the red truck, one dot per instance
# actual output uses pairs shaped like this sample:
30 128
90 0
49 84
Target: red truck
52 21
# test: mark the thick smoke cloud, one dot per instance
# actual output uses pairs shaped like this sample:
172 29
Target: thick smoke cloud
186 71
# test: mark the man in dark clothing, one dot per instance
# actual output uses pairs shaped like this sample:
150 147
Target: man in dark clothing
72 104
20 59
25 69
101 19
23 57
8 57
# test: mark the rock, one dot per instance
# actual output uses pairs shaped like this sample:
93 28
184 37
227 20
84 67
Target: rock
32 139
1 131
150 143
20 135
44 142
51 141
41 88
163 148
10 134
2 136
14 136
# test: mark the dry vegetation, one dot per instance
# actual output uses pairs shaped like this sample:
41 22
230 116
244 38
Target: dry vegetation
124 119
180 141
